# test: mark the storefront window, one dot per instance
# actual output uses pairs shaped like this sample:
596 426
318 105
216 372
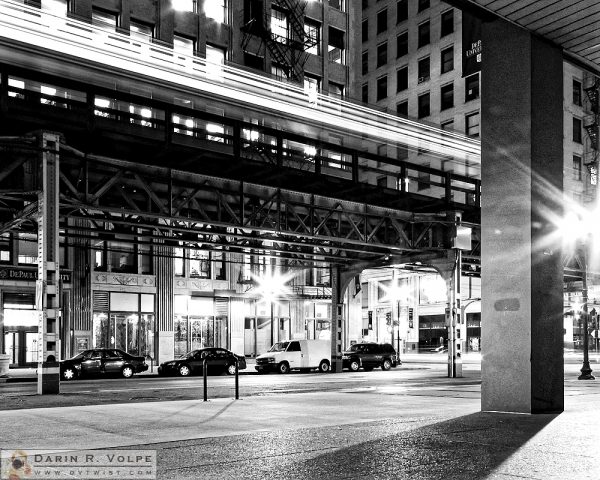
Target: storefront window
5 256
128 325
196 325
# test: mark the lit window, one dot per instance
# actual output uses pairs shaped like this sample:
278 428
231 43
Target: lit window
215 59
312 86
5 247
279 25
13 83
215 9
199 264
217 130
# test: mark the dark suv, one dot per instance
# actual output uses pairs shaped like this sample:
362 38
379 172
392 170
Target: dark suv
370 356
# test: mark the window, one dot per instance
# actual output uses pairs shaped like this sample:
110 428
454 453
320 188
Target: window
447 59
365 62
312 87
141 31
56 7
401 11
576 92
381 54
254 61
365 30
447 96
402 79
312 36
381 21
215 9
253 14
423 69
472 125
577 168
199 264
423 5
577 134
5 248
27 248
472 87
178 262
365 4
365 93
336 90
337 4
448 126
402 45
402 108
183 45
447 26
279 25
215 59
104 20
381 87
336 47
184 5
280 72
220 272
424 109
424 34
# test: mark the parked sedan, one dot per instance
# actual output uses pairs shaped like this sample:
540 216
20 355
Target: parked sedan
102 361
218 361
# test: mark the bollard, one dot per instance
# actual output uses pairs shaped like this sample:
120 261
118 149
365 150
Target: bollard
204 373
237 381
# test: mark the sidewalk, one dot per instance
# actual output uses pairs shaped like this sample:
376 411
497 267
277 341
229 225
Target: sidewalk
435 432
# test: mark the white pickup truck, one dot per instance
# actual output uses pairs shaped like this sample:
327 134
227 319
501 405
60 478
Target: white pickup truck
296 355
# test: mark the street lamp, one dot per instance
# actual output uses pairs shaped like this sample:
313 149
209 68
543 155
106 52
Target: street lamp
576 229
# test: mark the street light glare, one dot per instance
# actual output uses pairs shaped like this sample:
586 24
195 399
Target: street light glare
271 286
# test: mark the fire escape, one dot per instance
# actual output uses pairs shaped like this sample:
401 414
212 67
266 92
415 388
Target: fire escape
591 124
281 32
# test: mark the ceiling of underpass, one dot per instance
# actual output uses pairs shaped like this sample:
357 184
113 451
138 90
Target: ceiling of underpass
574 25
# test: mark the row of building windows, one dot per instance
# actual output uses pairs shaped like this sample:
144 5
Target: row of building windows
446 91
423 65
423 29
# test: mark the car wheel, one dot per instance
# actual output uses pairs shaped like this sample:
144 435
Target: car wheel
324 366
69 373
386 365
231 369
184 371
283 367
354 365
127 371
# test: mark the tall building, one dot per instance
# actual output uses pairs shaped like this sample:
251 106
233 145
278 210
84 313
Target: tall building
421 59
113 289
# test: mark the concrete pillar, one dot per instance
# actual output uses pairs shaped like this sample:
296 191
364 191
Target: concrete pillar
522 172
339 283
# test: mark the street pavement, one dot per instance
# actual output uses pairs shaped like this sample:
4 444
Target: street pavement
430 430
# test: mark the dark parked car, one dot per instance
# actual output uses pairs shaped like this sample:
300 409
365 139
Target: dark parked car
370 356
102 361
218 361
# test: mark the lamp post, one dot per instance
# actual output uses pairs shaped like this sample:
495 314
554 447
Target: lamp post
586 370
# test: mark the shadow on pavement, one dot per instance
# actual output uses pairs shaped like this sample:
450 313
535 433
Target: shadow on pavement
468 447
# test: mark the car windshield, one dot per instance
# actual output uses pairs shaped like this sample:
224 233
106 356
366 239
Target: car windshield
189 354
357 347
279 347
78 356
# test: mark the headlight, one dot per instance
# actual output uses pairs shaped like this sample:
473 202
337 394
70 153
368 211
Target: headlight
270 359
345 357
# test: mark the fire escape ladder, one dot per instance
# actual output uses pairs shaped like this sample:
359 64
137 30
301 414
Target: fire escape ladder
295 10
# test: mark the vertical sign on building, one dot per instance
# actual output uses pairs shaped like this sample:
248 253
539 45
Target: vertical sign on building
471 44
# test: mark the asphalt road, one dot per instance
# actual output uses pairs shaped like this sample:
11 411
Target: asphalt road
152 388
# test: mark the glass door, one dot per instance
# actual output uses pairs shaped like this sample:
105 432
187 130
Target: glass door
31 347
11 347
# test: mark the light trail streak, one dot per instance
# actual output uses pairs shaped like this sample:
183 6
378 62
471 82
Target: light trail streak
40 28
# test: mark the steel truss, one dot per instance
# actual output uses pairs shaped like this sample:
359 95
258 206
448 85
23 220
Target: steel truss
104 198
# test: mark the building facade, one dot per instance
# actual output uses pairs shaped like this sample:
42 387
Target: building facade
421 59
